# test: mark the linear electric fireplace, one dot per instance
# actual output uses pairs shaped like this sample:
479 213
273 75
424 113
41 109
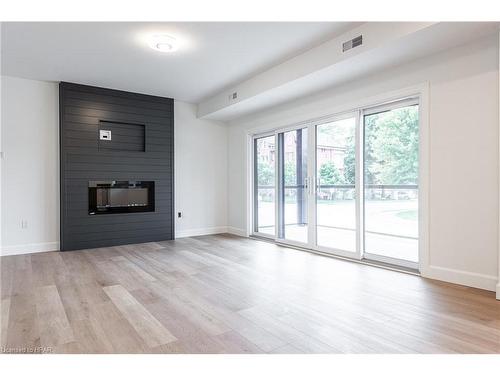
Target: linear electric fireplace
113 197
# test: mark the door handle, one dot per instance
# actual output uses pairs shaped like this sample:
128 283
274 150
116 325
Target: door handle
310 185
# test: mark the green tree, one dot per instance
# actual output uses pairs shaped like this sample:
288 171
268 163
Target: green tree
265 174
350 161
392 147
290 173
330 175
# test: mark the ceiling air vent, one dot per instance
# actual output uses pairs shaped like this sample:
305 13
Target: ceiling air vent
350 44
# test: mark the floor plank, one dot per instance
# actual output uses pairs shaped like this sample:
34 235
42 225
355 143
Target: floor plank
228 294
54 326
146 325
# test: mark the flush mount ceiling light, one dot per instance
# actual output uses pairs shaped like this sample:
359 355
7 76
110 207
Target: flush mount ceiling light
163 43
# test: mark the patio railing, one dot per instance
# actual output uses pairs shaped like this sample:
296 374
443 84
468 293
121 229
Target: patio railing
347 191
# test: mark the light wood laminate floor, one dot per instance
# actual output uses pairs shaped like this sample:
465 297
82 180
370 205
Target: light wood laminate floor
226 294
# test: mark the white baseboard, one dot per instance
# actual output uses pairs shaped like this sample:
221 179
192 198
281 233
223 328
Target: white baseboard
498 290
472 279
40 247
237 231
200 232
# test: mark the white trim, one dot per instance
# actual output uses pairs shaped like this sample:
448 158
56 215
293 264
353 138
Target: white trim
288 242
472 279
200 232
389 260
389 106
237 231
312 185
498 182
277 182
337 252
359 184
249 186
30 248
267 236
424 213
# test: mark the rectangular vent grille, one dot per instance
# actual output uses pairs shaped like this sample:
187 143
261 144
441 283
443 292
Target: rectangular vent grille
350 44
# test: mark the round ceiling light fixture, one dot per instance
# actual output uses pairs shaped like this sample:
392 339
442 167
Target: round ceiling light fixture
163 43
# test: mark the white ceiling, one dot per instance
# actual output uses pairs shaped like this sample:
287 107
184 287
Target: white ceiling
212 56
385 45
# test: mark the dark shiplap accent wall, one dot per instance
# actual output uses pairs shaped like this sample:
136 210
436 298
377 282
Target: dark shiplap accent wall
125 137
82 108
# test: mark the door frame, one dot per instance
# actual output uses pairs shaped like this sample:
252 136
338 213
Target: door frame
413 100
328 112
285 241
252 199
357 254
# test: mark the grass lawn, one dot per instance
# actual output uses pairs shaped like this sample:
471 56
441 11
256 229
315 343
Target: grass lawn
407 214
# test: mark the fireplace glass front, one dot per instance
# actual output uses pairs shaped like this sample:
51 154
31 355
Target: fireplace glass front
111 197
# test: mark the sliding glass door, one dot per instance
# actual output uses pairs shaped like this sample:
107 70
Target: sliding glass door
293 186
347 185
391 140
335 184
264 162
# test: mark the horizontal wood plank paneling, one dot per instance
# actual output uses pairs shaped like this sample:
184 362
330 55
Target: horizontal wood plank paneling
129 138
133 154
87 103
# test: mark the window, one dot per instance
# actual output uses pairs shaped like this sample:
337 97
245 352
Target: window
335 184
264 183
391 143
293 186
348 185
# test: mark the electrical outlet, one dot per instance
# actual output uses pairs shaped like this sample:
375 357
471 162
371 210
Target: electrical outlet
179 215
24 224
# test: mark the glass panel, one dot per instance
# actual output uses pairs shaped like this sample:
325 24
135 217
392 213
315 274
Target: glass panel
294 155
265 154
335 174
391 183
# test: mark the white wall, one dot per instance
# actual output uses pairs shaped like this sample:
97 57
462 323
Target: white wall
211 171
200 173
30 165
464 164
30 168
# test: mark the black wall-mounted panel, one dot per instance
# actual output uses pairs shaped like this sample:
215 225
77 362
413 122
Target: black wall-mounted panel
141 149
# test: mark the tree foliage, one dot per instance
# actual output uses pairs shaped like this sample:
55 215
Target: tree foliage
350 161
391 152
265 174
290 174
391 142
330 175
